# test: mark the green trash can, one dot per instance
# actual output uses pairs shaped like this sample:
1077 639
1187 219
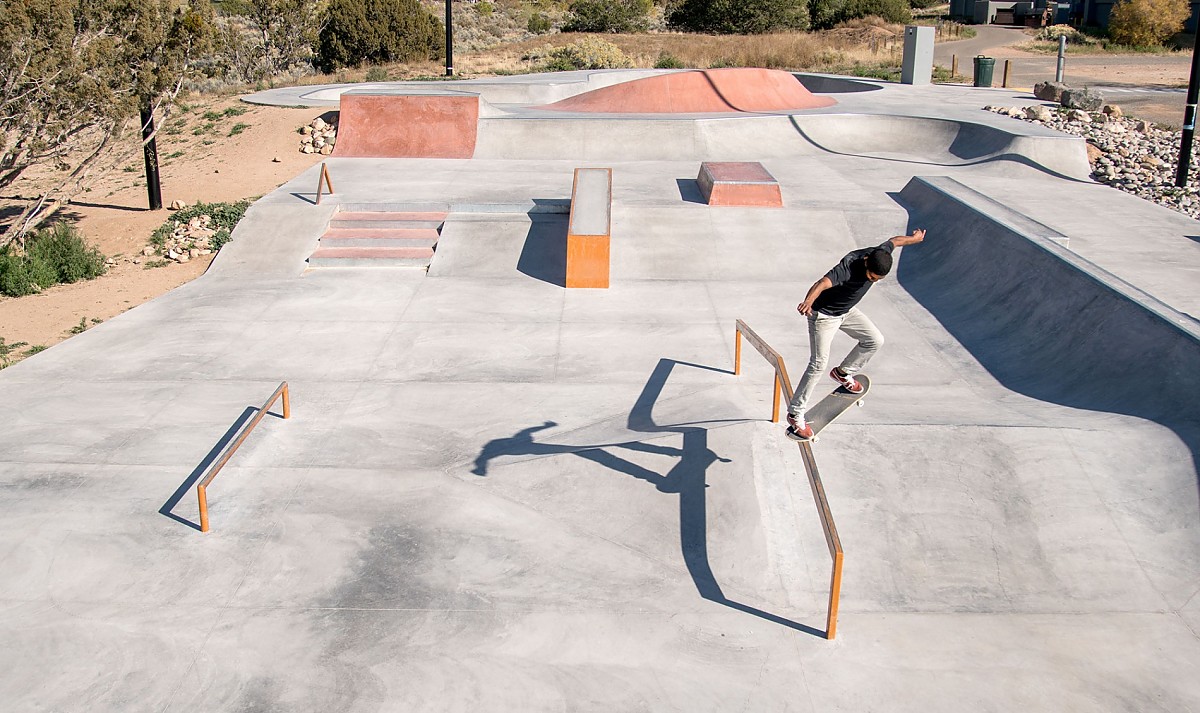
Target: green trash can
983 70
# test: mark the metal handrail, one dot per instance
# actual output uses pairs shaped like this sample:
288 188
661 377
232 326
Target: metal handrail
202 489
783 386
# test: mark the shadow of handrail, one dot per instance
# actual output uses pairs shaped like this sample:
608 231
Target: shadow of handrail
783 387
169 506
242 433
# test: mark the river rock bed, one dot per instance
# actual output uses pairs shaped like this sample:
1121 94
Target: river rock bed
1128 154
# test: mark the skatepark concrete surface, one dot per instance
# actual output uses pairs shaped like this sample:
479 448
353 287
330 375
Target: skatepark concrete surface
497 494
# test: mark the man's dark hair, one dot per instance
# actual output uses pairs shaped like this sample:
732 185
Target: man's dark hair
879 261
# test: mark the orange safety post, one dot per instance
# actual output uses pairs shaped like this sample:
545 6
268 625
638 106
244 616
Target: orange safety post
202 489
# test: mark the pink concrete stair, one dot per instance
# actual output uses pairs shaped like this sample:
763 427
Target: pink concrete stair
379 239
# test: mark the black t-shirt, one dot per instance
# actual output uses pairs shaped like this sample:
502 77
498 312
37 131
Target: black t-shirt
850 283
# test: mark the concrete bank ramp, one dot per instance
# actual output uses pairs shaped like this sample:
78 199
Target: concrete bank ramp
699 91
942 142
1048 324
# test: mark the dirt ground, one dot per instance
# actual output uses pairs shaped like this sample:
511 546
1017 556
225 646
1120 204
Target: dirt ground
244 156
199 161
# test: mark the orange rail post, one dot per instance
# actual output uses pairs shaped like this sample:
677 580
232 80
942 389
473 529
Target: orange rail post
783 387
202 489
324 180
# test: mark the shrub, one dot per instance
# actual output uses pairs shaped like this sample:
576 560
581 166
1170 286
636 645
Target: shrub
377 31
824 14
376 74
225 217
588 53
668 61
609 16
538 24
52 256
740 16
897 11
1145 23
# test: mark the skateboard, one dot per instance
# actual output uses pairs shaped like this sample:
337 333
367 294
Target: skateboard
832 406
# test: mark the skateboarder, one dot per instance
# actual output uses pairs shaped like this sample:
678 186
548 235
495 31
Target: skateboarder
830 306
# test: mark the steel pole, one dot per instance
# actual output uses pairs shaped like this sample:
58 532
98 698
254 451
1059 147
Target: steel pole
150 154
449 41
1189 116
1062 58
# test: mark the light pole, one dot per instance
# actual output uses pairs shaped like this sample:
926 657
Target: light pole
449 41
1189 117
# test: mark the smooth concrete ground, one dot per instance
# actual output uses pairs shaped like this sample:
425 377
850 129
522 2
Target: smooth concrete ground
497 494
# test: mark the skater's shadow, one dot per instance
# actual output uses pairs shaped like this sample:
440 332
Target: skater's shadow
686 478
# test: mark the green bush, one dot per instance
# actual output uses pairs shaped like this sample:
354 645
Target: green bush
52 256
668 61
896 11
1146 23
225 217
356 32
609 16
588 53
538 24
377 74
740 16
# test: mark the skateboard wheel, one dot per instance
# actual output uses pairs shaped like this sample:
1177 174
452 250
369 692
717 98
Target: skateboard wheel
858 403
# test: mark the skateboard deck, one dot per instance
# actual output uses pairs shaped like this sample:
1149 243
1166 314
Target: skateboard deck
832 406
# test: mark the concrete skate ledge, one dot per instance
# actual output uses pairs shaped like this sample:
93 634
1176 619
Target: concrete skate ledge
1042 319
589 228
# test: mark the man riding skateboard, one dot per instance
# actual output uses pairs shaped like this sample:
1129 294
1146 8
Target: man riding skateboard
829 307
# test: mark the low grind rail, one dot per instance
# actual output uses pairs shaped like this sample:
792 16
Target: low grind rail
783 387
202 489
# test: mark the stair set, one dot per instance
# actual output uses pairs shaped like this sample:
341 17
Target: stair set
379 239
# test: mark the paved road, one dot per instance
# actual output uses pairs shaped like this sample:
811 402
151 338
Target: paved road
1148 86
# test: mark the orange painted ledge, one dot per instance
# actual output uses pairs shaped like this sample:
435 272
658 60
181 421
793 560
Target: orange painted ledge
738 183
589 228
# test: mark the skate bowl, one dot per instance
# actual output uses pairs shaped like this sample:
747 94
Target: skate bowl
942 142
735 90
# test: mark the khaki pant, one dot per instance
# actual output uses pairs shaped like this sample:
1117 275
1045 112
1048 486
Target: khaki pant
821 328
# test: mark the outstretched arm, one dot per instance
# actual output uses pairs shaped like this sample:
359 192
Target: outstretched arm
917 236
805 307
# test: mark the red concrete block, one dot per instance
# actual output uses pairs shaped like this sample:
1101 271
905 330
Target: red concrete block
738 183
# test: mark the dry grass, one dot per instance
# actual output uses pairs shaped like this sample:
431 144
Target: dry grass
867 44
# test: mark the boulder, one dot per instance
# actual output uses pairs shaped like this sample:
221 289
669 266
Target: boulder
1086 98
1038 112
1079 115
1049 91
1093 153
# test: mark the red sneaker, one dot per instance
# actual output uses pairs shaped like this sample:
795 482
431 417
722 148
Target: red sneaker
798 430
848 383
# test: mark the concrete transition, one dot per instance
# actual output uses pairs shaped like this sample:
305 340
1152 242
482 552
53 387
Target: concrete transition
699 91
497 494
